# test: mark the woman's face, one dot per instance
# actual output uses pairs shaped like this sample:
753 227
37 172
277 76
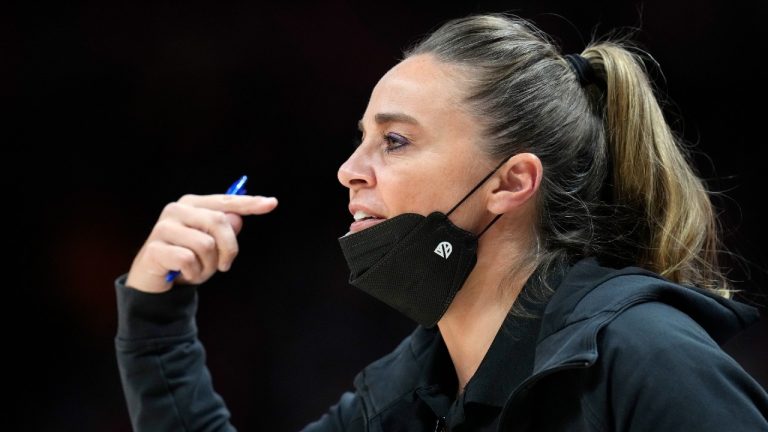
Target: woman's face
420 150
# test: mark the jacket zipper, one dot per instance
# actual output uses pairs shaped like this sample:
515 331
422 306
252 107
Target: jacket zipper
366 426
440 425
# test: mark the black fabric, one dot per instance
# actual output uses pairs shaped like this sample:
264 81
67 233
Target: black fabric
162 363
508 362
589 329
145 315
415 267
619 350
364 249
582 69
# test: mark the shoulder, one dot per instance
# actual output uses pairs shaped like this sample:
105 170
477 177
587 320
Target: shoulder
650 330
636 297
663 370
654 330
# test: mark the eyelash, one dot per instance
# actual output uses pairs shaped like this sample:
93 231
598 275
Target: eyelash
394 142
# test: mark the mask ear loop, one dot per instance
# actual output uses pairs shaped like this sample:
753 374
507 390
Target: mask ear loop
473 191
478 187
489 225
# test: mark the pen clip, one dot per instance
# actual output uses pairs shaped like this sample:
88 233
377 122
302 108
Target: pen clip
238 187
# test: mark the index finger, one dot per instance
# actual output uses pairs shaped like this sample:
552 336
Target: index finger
238 204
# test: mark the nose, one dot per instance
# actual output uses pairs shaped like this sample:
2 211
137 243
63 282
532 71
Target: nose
356 172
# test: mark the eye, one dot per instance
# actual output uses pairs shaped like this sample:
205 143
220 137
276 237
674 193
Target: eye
394 142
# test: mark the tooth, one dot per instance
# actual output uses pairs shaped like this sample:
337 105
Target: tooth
360 215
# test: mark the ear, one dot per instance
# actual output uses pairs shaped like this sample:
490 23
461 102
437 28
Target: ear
518 181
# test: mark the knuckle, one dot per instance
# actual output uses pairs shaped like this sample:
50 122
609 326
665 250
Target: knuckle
154 249
187 258
207 244
219 218
187 198
227 198
163 226
171 208
231 252
228 254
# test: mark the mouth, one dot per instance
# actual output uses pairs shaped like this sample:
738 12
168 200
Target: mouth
363 220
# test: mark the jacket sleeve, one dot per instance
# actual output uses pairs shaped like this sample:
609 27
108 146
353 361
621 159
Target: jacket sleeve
162 363
346 415
663 372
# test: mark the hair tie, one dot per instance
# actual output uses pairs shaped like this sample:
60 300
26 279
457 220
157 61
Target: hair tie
582 68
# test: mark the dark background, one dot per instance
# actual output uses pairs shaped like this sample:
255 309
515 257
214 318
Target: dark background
117 108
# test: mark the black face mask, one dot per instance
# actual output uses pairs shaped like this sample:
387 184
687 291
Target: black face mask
413 263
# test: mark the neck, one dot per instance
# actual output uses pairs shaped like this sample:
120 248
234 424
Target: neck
479 309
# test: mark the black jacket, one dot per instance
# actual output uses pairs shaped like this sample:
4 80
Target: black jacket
621 350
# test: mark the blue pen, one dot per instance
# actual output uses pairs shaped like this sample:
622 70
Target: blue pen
237 188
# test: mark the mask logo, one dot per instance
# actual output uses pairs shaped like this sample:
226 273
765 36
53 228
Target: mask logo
444 249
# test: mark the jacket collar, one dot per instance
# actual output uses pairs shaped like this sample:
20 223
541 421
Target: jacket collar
397 374
419 363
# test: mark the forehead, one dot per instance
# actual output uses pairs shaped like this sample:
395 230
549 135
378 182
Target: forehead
420 86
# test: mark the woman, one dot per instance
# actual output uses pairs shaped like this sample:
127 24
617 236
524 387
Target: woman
532 212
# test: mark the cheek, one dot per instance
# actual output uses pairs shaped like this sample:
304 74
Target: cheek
416 191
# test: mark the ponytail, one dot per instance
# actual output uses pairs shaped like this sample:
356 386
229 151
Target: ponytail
651 175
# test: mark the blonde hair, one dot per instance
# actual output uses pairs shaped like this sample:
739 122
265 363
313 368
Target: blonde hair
652 172
617 183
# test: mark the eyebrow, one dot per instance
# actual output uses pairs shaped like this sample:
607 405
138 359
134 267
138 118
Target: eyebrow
390 118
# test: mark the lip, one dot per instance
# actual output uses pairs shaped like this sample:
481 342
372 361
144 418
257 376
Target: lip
363 224
355 207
